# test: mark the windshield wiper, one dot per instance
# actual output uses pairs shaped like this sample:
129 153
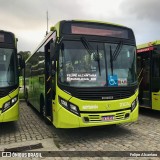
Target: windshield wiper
111 60
117 50
86 44
114 56
91 51
98 61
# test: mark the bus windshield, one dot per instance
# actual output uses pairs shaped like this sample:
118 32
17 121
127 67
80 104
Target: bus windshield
8 71
100 66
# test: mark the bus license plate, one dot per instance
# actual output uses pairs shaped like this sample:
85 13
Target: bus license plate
107 118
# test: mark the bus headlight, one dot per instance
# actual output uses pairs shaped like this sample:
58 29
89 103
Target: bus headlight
69 106
74 109
63 103
134 104
9 104
14 100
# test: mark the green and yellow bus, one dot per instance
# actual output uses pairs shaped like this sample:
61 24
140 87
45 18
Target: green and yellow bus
84 74
148 59
9 84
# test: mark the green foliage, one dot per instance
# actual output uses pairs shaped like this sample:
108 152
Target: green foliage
25 54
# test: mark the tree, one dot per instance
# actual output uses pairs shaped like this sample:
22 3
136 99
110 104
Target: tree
25 54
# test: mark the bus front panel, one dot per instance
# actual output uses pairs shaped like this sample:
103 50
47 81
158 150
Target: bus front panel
72 112
9 107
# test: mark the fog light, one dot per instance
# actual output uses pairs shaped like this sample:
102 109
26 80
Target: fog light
126 115
86 119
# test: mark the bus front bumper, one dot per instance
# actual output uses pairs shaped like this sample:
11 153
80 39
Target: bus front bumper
67 119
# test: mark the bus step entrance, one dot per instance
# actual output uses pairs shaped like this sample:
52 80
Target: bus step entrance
145 99
49 118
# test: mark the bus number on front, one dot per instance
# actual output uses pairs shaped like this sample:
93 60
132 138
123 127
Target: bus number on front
124 104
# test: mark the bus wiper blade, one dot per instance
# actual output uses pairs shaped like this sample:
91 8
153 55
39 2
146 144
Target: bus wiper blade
98 61
114 56
117 50
91 51
86 44
111 60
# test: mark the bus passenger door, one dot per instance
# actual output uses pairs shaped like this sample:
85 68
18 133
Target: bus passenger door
144 79
48 83
156 80
53 76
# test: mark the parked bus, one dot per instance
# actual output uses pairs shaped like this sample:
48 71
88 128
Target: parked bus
84 74
9 84
148 59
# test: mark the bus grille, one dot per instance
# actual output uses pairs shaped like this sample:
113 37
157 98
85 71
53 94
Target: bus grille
102 94
97 118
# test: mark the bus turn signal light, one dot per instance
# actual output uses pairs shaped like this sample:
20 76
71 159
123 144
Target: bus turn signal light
134 104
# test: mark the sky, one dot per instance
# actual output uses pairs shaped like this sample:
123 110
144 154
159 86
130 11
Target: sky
27 18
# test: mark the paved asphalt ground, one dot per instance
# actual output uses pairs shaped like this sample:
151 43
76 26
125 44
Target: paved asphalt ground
31 133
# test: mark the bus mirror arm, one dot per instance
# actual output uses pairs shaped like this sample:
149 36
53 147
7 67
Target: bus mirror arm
53 73
21 62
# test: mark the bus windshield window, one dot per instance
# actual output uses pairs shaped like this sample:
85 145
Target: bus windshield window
7 68
80 68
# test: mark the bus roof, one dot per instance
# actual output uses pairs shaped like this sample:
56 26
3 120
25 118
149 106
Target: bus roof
87 21
8 37
149 44
67 30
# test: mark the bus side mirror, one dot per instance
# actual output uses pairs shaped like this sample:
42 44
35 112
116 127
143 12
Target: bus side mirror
21 62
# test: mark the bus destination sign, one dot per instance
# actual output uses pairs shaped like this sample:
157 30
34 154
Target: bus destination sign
97 31
145 49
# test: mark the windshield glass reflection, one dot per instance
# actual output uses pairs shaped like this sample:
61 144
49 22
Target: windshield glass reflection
91 67
8 71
